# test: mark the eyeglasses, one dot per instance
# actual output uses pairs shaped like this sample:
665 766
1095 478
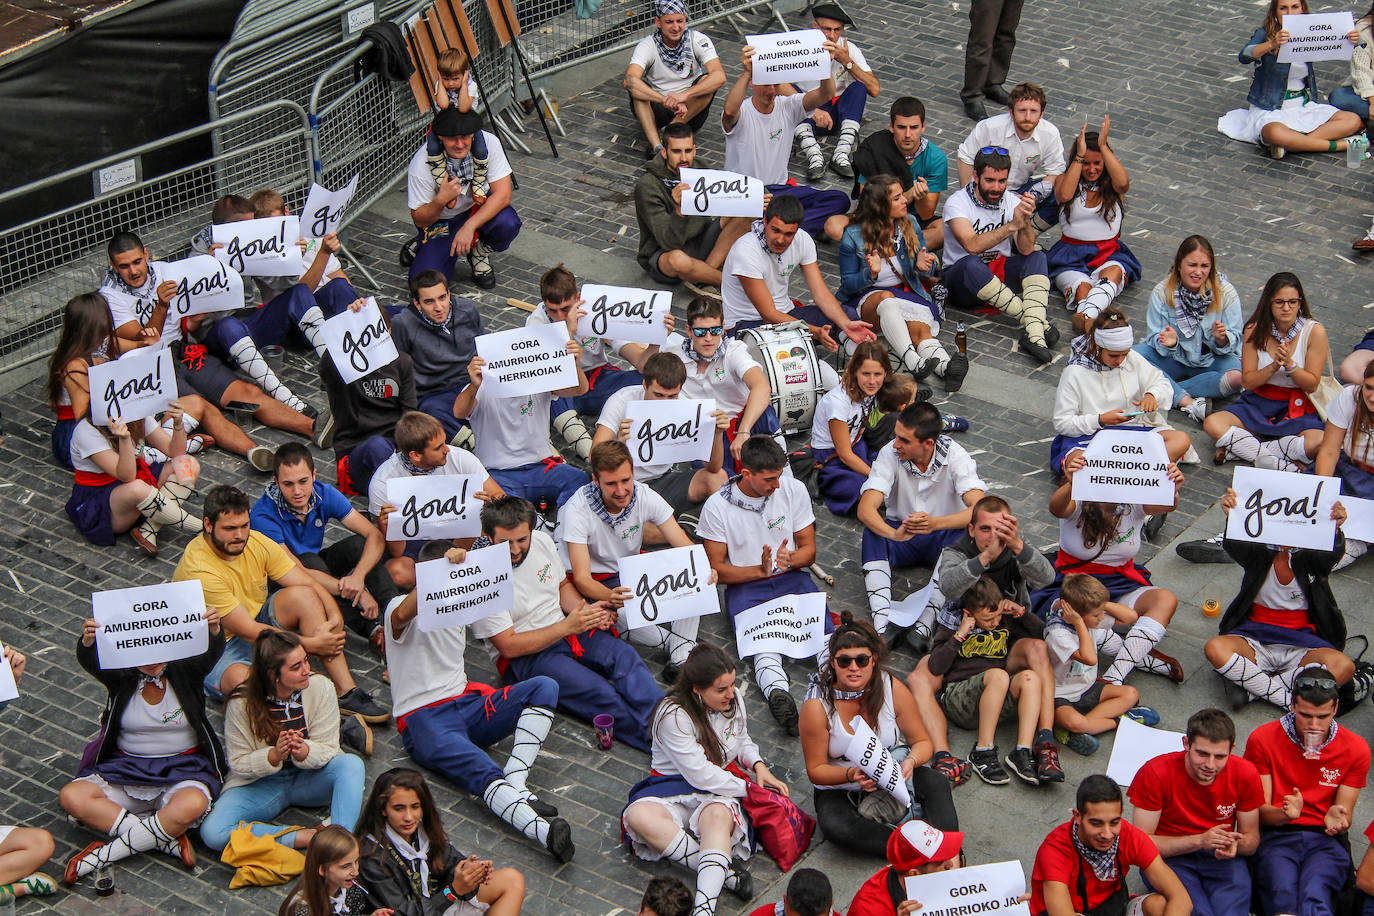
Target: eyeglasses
1284 303
853 661
715 331
999 150
1314 682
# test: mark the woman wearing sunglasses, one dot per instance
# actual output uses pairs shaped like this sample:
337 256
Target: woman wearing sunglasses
850 807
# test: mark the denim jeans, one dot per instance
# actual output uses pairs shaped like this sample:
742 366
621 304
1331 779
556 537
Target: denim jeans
1189 380
339 783
1345 98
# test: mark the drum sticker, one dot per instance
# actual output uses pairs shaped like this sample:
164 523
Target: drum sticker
795 378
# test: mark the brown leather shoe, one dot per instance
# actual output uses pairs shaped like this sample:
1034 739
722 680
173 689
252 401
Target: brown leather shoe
1363 243
1175 669
186 851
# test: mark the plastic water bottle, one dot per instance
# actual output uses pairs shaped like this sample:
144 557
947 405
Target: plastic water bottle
1354 151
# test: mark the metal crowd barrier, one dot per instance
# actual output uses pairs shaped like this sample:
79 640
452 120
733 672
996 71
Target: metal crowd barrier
47 260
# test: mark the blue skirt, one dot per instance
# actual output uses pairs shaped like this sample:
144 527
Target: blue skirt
1061 446
1268 634
1070 256
1117 585
1266 418
840 484
1355 480
89 510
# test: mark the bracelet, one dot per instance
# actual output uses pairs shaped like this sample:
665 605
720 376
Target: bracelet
449 894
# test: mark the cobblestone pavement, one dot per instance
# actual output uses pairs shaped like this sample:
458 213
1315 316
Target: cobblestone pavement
1164 71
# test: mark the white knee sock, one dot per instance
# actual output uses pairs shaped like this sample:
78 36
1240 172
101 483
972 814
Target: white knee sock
930 349
1136 645
1240 444
1257 682
677 639
878 584
509 803
769 673
898 335
806 142
530 731
573 431
310 326
129 835
712 868
1283 454
245 354
1098 298
1230 382
844 147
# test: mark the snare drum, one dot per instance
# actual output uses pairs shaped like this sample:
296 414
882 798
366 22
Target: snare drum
792 368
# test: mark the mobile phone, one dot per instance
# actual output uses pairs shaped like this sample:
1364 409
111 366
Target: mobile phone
1133 413
242 405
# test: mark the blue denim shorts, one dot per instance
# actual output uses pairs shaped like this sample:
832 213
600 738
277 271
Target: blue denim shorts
239 651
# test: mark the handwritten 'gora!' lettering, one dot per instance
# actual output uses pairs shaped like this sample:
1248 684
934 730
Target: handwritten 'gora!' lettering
1279 507
115 397
451 507
603 311
673 582
238 252
188 289
324 221
647 434
702 191
355 348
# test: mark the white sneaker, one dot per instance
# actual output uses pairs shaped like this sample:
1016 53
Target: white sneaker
1197 409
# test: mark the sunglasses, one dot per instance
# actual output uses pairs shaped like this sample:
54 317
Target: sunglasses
1314 682
853 661
1000 150
715 331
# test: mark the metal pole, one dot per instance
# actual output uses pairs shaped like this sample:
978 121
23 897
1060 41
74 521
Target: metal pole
534 98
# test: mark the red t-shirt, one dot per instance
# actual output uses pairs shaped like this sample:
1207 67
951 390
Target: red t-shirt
1344 762
874 897
775 909
1057 860
1185 807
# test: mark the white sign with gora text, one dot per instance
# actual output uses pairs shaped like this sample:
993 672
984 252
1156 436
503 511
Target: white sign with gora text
358 342
204 284
867 753
793 625
1317 36
526 361
789 57
671 430
434 506
452 595
906 612
150 624
1125 466
1283 508
137 385
266 247
625 313
715 192
1136 745
667 585
994 888
324 209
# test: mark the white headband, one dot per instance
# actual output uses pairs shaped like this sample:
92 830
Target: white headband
1114 339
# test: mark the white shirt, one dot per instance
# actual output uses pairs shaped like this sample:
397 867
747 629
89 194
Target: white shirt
836 405
1071 678
421 187
1086 223
940 492
459 461
427 668
155 730
748 258
88 441
677 752
536 581
1042 153
724 375
1341 412
613 414
595 350
745 532
1084 394
838 73
961 205
665 79
138 307
1122 549
1274 594
885 729
511 432
580 524
760 144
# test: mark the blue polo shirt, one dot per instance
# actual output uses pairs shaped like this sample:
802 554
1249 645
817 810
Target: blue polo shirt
300 535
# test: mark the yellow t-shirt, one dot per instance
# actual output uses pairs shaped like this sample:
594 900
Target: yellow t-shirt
240 581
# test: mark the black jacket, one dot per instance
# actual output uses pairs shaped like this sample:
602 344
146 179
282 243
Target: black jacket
387 884
185 678
1311 568
369 406
878 155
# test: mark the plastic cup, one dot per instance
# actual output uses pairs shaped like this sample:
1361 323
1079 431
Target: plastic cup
275 355
1354 151
104 881
605 730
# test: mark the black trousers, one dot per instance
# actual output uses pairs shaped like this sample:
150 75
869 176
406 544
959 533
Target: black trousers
837 813
339 559
991 39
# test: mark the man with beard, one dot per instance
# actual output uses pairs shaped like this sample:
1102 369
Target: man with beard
982 220
1312 771
233 565
1034 144
294 512
610 518
1082 864
1201 807
552 631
